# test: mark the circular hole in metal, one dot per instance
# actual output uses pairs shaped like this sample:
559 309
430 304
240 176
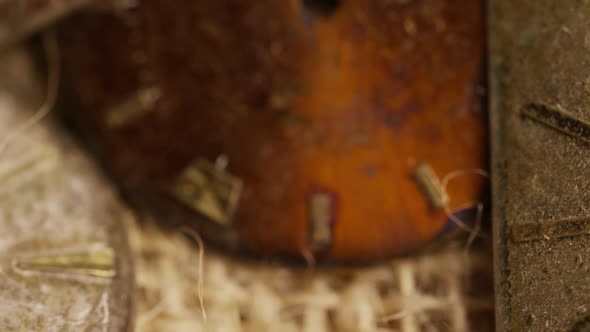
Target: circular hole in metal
322 7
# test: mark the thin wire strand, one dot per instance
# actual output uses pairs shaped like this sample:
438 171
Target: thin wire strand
470 239
309 258
193 234
476 229
445 182
53 62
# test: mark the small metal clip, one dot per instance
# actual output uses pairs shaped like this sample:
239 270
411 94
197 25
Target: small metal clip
132 108
431 186
95 262
209 190
321 215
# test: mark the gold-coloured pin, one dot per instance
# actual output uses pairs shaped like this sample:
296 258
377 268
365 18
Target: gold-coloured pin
431 186
132 108
321 215
95 263
209 189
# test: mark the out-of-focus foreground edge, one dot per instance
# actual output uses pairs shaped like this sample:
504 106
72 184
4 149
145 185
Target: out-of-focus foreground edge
497 166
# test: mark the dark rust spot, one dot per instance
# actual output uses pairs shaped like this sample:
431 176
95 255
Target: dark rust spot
391 117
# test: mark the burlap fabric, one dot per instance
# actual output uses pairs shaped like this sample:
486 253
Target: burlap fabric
447 290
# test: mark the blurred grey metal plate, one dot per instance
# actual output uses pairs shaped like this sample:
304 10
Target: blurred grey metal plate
540 112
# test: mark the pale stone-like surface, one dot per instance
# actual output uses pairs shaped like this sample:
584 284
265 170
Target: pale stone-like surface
53 202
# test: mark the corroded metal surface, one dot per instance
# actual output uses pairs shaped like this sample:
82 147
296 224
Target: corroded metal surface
64 260
540 92
341 99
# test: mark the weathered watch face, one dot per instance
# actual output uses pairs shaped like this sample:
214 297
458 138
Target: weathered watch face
303 128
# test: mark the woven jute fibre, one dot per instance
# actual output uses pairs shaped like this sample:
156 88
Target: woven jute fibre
446 290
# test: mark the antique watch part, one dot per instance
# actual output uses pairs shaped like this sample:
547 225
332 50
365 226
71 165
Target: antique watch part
64 260
540 115
323 112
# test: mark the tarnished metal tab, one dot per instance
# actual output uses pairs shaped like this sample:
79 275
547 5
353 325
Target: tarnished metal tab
321 216
431 186
96 261
208 190
135 106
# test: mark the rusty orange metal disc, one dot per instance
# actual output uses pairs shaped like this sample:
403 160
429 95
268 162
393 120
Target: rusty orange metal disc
287 127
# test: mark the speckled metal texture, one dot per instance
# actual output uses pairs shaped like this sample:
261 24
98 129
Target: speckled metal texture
344 105
53 202
540 89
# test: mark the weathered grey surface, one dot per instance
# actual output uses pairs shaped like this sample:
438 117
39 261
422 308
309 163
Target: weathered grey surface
57 204
541 175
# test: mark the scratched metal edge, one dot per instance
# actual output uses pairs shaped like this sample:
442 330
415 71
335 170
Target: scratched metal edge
498 161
